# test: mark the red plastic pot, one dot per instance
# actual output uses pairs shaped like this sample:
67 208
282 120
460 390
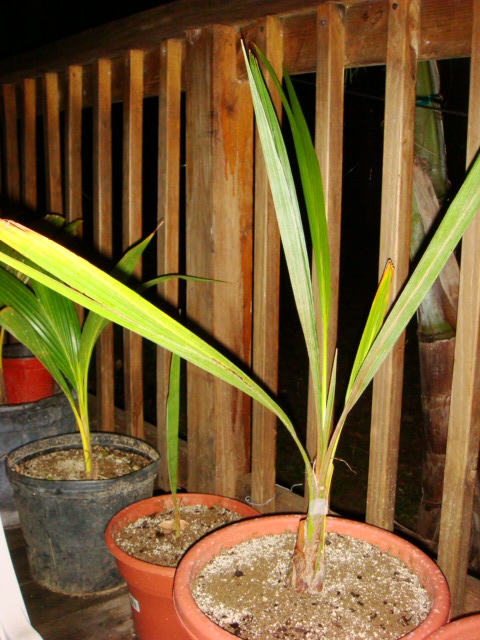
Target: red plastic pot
26 379
464 629
199 627
150 586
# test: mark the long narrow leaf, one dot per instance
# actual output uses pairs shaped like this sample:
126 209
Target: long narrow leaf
288 217
171 429
311 178
456 220
374 322
99 292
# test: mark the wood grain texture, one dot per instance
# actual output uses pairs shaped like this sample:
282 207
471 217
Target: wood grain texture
402 55
51 134
10 143
464 424
219 135
132 227
266 273
445 32
60 617
28 144
329 145
73 144
102 229
168 215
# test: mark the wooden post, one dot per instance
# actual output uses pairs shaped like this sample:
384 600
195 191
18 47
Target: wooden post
464 424
73 143
51 128
29 155
402 55
102 228
329 146
132 227
12 170
168 214
266 276
219 246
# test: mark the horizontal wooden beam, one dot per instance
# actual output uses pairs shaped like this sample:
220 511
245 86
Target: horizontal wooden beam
445 33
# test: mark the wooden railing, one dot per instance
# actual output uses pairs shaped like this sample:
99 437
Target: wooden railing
67 146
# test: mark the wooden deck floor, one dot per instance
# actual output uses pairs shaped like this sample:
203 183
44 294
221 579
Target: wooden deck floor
58 617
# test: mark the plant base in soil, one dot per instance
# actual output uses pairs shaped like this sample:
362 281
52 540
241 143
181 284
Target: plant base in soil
152 538
367 594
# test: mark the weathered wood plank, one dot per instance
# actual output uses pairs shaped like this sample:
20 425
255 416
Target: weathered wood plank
73 144
219 135
266 285
285 500
51 128
28 143
445 32
102 229
464 424
10 143
403 27
60 617
111 619
329 145
132 226
168 212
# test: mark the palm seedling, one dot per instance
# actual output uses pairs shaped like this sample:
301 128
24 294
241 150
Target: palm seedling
71 276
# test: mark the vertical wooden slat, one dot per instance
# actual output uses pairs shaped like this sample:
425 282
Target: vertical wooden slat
168 214
29 156
464 425
402 55
73 143
266 296
12 170
329 145
51 127
102 228
132 227
219 245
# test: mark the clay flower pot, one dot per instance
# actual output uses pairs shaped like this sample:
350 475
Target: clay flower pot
467 628
26 379
150 586
199 627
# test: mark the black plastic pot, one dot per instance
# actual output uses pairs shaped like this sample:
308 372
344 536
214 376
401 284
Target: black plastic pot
22 423
63 521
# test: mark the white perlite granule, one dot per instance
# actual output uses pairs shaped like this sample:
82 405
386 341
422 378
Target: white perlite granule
367 594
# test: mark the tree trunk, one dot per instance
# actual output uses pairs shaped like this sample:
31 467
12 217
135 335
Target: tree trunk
436 366
437 315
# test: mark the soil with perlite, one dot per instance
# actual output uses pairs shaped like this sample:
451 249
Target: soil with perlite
367 593
152 538
69 464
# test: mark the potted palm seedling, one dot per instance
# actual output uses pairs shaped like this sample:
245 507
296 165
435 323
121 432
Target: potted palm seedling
148 538
31 404
68 274
66 487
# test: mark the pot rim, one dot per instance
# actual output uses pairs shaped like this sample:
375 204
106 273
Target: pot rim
198 555
148 506
468 623
73 441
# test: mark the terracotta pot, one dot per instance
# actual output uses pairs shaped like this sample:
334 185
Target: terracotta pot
464 629
26 379
199 627
150 586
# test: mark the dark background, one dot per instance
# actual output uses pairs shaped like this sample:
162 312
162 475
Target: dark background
28 24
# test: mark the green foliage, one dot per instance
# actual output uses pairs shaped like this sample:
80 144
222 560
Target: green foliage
48 325
56 268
